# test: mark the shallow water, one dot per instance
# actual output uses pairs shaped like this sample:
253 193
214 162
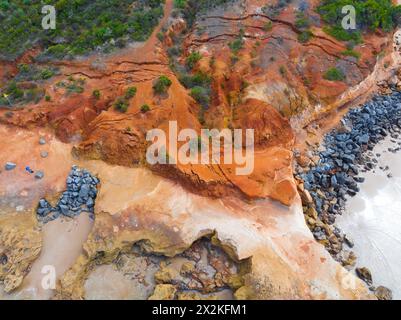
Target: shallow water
373 220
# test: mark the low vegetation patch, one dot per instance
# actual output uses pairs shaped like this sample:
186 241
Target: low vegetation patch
305 36
32 72
26 86
236 45
96 94
273 10
72 85
82 25
121 105
371 15
14 94
131 92
193 59
161 85
303 24
334 74
351 53
190 9
145 108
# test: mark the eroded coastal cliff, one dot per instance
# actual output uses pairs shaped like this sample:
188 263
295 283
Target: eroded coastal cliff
76 189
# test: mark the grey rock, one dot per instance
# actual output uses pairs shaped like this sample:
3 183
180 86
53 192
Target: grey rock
64 209
43 203
10 166
383 293
42 141
43 211
90 203
84 191
365 275
39 175
348 241
44 154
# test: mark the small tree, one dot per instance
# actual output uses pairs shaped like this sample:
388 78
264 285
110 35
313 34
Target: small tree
161 85
193 59
131 92
121 105
46 74
334 74
96 94
145 108
201 96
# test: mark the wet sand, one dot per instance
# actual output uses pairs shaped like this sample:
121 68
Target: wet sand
107 283
373 220
62 244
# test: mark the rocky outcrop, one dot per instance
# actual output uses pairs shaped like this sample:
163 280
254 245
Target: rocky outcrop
80 196
272 70
261 77
20 245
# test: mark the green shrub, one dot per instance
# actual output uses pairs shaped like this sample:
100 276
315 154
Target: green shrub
161 85
160 36
74 85
200 79
145 108
82 24
131 92
46 74
305 36
48 98
302 21
343 35
268 26
33 72
13 94
96 94
370 15
334 74
23 68
121 105
14 91
180 4
351 53
303 24
193 59
236 45
201 96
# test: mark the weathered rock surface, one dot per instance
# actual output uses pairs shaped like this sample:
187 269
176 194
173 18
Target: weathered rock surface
248 93
20 245
275 78
383 293
134 205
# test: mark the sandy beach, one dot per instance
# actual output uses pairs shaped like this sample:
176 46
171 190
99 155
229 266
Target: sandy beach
373 220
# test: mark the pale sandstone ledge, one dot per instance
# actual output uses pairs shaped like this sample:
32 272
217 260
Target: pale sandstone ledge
134 204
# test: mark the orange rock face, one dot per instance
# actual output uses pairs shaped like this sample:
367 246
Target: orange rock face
270 79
